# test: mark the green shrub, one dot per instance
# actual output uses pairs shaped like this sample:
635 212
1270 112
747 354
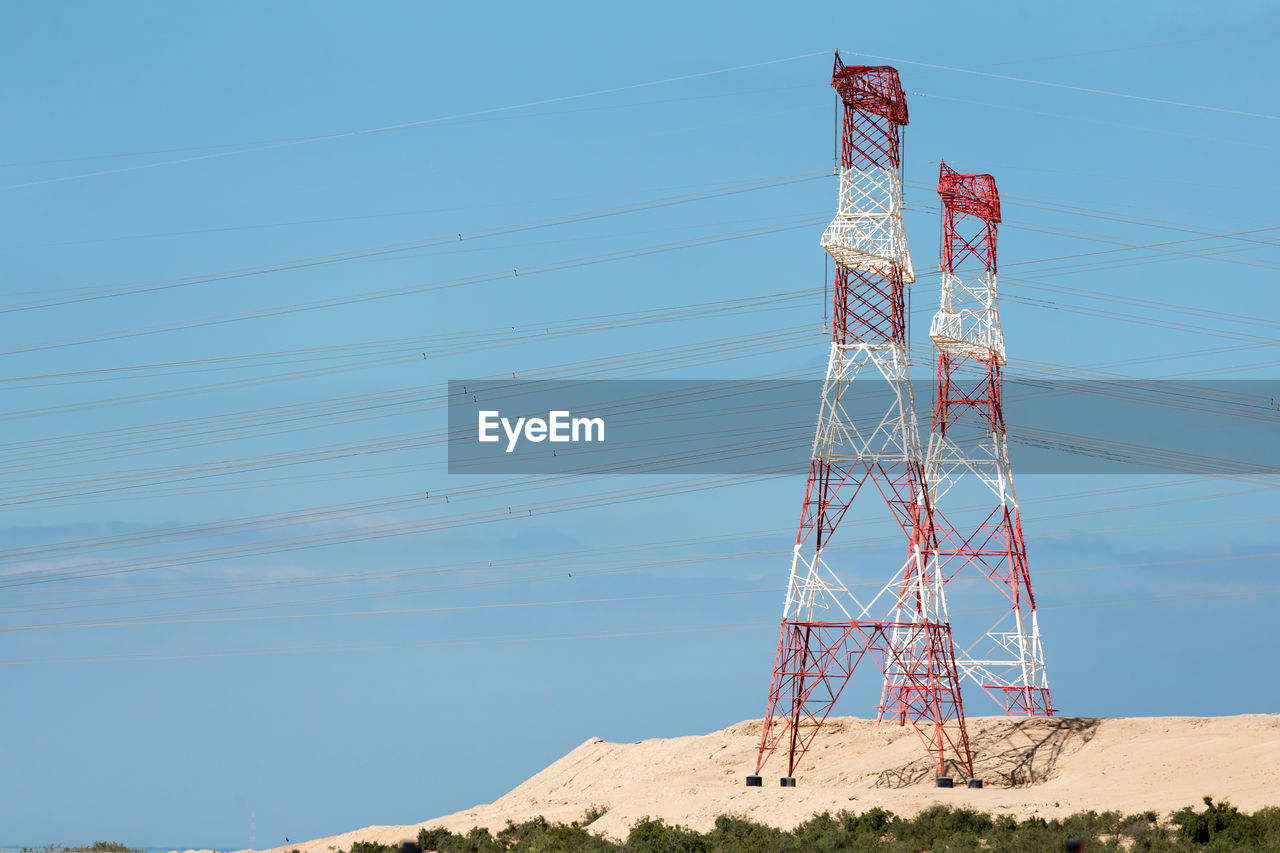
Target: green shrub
95 847
373 847
1222 826
430 839
739 834
593 814
654 836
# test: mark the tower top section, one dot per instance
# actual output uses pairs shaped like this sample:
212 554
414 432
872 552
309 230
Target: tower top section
870 88
975 195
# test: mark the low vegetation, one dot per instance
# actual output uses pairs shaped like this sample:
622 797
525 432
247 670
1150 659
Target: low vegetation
95 847
1218 827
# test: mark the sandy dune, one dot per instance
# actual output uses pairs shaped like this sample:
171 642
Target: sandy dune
1045 767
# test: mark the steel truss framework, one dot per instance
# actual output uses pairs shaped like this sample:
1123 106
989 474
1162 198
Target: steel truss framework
826 631
968 445
816 659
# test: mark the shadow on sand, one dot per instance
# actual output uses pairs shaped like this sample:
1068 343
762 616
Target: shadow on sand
1025 754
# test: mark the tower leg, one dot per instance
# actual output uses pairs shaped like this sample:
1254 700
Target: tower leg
815 661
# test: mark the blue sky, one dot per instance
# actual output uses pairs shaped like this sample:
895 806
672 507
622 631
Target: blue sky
192 442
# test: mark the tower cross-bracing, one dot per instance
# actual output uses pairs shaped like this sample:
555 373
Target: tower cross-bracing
827 631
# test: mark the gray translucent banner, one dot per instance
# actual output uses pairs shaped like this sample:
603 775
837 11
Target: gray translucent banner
625 426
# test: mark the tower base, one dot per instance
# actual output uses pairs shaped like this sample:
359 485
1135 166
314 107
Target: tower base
815 661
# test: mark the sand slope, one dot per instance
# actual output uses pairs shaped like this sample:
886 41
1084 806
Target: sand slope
1045 767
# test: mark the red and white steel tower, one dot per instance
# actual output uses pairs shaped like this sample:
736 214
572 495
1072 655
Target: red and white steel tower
978 530
826 629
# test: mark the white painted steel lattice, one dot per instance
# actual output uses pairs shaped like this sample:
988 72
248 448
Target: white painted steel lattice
867 233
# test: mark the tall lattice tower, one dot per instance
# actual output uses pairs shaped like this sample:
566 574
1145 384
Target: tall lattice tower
826 629
978 527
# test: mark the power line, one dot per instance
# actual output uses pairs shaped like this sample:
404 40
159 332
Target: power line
1085 89
305 140
1099 121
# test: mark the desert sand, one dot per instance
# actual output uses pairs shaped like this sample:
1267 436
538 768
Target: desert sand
1045 767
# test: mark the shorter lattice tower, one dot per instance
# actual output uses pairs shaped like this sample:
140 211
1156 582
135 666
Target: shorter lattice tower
977 525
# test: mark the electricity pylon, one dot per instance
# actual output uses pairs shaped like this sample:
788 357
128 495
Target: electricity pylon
826 630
